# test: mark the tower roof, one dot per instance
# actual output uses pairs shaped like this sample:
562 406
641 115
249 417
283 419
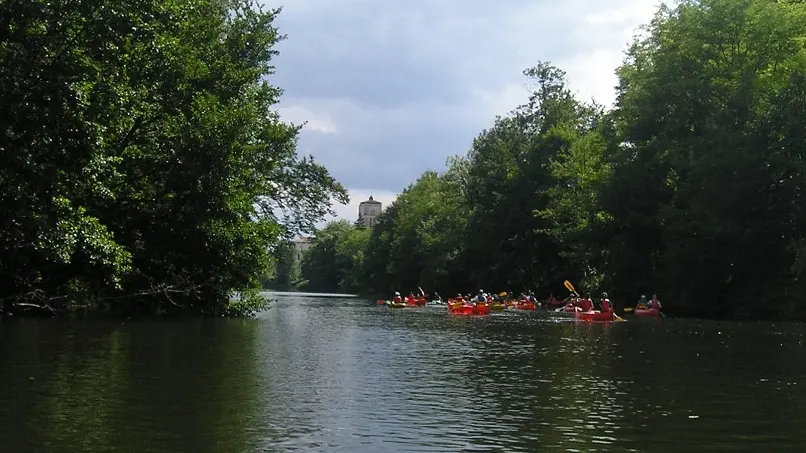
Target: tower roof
370 201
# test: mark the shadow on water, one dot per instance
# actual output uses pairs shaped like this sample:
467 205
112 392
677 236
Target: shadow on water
328 374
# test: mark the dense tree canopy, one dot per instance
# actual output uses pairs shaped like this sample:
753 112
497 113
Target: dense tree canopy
141 164
691 186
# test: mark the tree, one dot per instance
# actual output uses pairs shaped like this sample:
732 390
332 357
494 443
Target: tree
334 262
698 102
144 164
286 268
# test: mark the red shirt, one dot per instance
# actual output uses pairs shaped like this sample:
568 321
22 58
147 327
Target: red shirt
606 305
587 305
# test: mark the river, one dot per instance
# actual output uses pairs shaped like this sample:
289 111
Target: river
344 375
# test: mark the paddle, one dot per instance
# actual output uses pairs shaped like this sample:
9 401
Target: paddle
571 288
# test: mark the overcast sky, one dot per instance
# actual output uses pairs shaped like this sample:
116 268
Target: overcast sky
391 88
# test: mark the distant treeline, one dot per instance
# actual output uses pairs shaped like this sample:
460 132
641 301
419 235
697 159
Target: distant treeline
691 186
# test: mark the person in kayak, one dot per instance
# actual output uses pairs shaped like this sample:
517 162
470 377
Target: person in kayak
605 304
397 298
436 297
642 303
586 303
654 303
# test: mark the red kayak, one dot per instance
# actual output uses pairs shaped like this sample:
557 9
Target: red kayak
469 309
525 306
594 316
653 312
415 302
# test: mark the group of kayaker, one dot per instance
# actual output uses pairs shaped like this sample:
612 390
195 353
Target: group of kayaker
480 297
585 304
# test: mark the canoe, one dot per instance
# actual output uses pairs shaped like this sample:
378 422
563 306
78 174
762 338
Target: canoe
415 302
469 310
460 309
647 312
525 306
496 306
594 316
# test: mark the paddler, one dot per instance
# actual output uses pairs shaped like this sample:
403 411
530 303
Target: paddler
587 303
642 302
436 298
654 303
605 303
397 298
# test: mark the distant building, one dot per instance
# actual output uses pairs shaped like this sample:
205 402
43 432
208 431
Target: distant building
368 211
300 246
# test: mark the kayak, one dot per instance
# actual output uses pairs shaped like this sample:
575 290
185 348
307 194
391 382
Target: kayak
460 309
415 302
594 316
481 309
647 312
497 306
525 306
396 305
468 309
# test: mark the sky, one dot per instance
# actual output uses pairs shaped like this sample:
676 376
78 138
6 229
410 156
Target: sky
391 88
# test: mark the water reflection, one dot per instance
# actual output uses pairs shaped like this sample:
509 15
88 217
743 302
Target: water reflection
317 374
140 387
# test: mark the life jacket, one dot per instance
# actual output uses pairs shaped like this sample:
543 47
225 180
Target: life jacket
397 299
654 303
587 305
606 305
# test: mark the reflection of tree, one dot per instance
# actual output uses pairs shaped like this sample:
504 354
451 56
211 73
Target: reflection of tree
186 386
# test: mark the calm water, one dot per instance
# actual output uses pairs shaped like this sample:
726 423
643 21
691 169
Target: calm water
343 375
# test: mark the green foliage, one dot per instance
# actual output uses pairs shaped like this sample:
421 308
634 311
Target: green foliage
691 186
286 273
142 164
334 262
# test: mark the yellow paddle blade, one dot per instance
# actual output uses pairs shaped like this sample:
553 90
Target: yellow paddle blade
629 309
503 294
569 286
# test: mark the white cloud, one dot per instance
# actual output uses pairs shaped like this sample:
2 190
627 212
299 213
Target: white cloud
390 89
314 122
